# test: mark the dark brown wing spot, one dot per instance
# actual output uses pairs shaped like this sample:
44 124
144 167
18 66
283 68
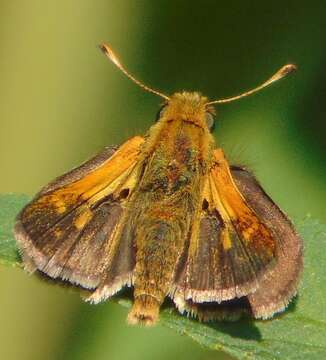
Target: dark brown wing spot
205 205
124 194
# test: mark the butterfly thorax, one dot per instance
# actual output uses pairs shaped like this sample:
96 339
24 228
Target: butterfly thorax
177 151
181 130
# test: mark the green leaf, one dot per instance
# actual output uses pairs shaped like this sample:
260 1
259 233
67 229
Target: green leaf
9 206
299 333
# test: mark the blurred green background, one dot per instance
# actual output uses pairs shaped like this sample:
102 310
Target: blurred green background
61 101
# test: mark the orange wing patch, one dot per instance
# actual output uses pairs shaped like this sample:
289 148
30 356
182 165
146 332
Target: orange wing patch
104 180
242 217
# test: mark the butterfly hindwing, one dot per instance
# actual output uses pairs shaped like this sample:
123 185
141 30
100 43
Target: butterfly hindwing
67 230
277 289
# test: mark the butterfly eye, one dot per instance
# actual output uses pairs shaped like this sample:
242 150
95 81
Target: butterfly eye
210 121
160 113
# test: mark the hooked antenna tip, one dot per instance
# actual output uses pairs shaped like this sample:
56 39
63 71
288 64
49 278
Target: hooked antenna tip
110 54
287 69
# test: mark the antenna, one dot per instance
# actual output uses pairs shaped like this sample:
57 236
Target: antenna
113 57
284 71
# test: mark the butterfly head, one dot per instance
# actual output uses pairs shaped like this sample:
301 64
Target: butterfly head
189 107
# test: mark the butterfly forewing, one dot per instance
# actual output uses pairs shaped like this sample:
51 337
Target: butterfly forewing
67 230
228 264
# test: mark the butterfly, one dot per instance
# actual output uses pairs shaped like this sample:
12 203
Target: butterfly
168 216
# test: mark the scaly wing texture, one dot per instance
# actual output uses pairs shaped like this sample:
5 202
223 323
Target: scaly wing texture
68 229
278 288
237 250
